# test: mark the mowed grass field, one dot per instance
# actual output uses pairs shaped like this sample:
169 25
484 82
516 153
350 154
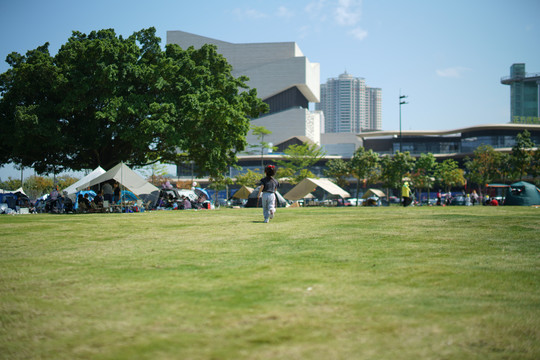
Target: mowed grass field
315 283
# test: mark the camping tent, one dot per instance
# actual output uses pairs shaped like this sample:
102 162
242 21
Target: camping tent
373 197
307 185
72 189
243 192
129 179
373 192
522 193
254 202
14 198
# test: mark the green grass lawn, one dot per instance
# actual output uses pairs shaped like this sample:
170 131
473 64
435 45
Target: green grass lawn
317 283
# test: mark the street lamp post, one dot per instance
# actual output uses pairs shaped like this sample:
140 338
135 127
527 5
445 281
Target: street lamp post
401 102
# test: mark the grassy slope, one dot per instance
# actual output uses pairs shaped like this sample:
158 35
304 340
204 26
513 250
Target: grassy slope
320 283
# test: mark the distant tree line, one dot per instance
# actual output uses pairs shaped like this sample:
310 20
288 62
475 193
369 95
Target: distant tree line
425 173
36 186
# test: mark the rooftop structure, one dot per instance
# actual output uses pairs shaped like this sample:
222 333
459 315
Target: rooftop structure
456 143
524 95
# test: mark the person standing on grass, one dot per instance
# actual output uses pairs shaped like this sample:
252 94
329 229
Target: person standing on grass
108 192
116 193
406 194
268 187
474 197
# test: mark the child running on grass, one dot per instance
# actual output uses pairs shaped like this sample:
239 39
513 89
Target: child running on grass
268 188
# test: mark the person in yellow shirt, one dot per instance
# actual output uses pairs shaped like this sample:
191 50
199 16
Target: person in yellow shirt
406 194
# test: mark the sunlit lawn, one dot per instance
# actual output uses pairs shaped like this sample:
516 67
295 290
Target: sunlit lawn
316 283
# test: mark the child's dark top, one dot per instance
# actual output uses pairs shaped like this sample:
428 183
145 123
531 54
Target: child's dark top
269 184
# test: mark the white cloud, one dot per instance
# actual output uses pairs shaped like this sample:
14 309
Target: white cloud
304 31
359 33
315 7
348 12
249 14
316 10
452 72
284 12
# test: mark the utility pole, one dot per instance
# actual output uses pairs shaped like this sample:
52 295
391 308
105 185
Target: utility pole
401 102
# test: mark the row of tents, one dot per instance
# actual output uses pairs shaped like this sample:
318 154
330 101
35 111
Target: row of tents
122 174
520 193
132 184
302 190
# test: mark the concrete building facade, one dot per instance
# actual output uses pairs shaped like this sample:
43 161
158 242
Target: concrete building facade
284 78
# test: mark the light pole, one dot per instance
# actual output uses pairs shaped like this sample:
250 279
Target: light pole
401 102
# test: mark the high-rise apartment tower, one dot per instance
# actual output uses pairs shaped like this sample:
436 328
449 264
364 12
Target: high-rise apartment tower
349 105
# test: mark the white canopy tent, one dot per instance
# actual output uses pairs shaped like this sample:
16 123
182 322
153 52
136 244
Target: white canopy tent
306 186
2 191
129 179
72 189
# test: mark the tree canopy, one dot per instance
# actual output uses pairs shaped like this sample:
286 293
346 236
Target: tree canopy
484 166
298 158
395 168
522 155
422 175
449 174
103 99
364 166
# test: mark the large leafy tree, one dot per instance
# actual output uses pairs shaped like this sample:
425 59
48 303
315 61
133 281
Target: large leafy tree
364 167
422 175
104 99
483 167
535 167
395 168
338 170
449 174
522 155
31 129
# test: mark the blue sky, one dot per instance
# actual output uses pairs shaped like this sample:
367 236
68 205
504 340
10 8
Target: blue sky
448 57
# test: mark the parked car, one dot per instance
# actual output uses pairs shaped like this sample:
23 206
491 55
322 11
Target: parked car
458 200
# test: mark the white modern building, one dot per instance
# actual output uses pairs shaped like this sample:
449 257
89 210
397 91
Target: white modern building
349 106
284 78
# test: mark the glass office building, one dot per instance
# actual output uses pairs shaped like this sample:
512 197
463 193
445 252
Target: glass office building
524 95
455 143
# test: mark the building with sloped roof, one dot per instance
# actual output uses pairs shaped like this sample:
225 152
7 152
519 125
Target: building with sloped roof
284 78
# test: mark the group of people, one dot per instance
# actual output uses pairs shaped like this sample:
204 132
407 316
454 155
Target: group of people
110 192
170 202
60 203
470 199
